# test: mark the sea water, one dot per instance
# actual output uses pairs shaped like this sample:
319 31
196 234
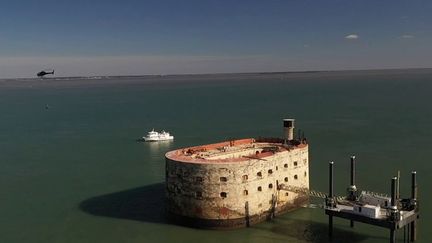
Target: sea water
72 170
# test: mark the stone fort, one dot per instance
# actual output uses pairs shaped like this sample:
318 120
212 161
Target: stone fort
237 183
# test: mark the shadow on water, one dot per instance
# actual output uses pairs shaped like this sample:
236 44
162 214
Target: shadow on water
309 231
147 204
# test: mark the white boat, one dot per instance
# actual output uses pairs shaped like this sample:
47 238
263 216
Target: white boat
154 136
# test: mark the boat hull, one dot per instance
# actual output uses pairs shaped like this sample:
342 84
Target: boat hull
158 139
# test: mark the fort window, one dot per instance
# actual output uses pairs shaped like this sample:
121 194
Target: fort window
295 163
305 161
270 185
286 179
223 179
276 168
198 195
259 174
245 192
223 170
295 177
286 194
198 179
270 171
285 165
259 189
223 194
305 174
244 177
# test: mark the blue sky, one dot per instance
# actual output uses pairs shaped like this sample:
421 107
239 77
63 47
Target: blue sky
161 37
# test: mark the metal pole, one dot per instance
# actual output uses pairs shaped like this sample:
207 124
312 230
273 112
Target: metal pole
393 192
392 236
414 185
394 213
413 235
331 197
353 170
352 188
331 179
393 208
408 233
393 199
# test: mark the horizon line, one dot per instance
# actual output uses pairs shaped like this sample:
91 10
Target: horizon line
222 73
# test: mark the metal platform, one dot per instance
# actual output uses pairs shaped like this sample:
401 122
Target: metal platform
407 217
401 213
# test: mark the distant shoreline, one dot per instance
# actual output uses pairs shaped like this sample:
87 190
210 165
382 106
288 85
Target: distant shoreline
218 74
216 78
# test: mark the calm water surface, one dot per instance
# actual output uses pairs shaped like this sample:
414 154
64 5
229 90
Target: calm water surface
75 172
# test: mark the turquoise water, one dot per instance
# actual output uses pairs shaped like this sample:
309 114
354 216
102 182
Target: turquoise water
75 172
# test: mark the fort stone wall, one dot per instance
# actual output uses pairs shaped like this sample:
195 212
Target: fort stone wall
224 193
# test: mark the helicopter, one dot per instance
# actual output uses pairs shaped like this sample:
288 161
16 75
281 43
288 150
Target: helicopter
43 73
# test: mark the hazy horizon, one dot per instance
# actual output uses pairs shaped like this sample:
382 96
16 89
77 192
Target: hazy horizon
378 71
